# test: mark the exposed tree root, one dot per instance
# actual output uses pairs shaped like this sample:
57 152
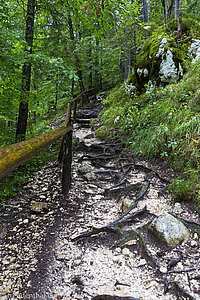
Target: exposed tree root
184 271
112 227
181 292
190 223
97 157
164 179
185 220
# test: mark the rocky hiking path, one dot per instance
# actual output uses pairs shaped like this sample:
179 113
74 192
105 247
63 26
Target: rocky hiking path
96 242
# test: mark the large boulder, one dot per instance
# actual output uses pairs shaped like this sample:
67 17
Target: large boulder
169 229
159 61
162 58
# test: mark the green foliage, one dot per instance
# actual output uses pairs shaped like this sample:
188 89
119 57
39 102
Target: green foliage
186 189
96 49
163 123
116 105
103 132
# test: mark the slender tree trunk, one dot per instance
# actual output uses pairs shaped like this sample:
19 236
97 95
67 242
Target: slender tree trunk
135 44
148 10
89 57
57 95
176 10
98 76
26 73
143 15
166 10
128 60
170 9
127 68
78 62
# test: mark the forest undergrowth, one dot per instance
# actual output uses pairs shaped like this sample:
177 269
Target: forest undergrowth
162 123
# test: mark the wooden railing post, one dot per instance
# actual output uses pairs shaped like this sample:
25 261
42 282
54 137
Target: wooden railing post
74 110
67 155
67 162
67 122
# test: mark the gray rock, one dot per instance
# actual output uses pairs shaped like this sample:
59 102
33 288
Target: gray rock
38 206
85 167
169 229
169 73
90 176
126 203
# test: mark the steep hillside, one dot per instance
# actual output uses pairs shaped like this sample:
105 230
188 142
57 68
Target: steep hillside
161 123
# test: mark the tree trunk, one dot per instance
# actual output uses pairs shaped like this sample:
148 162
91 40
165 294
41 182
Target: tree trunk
98 77
89 57
127 68
148 10
176 10
26 73
78 62
128 60
170 9
135 45
56 96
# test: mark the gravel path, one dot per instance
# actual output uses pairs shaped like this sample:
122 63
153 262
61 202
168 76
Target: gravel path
39 260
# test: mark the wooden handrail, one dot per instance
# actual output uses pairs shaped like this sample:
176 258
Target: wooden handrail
16 154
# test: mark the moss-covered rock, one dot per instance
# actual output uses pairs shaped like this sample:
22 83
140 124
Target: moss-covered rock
163 58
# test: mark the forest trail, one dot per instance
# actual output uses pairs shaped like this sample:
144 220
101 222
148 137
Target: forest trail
43 259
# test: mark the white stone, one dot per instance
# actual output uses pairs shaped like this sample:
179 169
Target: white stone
195 237
145 72
131 242
116 119
151 284
142 262
125 251
118 259
194 50
90 176
179 266
193 244
161 48
168 71
178 208
85 167
98 197
163 270
14 229
117 250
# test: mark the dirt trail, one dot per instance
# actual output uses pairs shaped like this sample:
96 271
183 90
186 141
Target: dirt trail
40 259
